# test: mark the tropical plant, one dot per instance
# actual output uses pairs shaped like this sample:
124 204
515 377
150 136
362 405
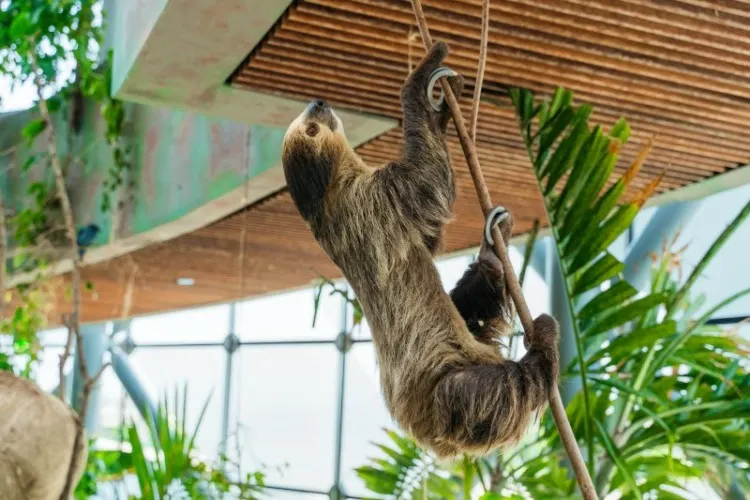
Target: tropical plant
662 395
164 459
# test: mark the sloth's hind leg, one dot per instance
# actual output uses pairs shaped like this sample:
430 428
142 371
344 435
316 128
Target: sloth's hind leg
485 406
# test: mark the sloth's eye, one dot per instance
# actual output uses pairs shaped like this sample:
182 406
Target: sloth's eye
313 129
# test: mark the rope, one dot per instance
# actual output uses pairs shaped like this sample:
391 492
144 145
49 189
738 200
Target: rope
555 402
480 68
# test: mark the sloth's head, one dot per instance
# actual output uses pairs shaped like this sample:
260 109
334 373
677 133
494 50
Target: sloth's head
318 121
314 146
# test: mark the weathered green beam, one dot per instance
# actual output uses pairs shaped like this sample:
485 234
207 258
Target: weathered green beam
180 54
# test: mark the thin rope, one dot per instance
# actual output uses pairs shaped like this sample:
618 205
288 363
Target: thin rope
238 319
555 401
480 68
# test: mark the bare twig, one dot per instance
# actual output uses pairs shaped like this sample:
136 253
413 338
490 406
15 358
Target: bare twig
480 68
3 254
555 401
9 150
64 359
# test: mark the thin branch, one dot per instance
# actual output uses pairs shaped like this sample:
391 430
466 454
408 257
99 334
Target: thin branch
64 359
555 402
3 255
75 317
480 68
9 150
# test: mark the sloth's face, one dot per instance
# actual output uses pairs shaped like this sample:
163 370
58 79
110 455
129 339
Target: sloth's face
316 122
314 148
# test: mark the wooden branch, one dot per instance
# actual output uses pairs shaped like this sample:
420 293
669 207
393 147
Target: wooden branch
64 359
3 255
70 229
555 402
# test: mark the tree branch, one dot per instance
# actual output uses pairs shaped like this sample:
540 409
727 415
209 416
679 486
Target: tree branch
74 319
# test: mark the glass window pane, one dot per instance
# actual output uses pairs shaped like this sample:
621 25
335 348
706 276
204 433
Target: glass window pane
365 415
362 332
284 413
112 400
723 276
641 221
203 369
203 324
451 270
289 316
53 337
47 371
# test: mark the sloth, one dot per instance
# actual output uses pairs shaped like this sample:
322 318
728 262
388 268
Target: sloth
444 379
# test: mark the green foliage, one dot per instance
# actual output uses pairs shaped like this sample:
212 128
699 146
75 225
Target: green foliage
407 472
98 86
358 314
166 463
39 41
664 395
640 376
102 466
21 327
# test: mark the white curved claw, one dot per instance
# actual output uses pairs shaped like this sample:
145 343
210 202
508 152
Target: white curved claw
437 75
495 217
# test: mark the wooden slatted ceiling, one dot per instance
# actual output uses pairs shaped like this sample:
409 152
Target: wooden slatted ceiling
676 68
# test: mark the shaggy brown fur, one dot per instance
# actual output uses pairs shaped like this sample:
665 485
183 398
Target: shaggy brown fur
443 376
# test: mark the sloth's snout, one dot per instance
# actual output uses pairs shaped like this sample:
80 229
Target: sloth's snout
321 112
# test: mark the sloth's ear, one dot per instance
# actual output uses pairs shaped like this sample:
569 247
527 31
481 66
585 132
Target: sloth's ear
308 171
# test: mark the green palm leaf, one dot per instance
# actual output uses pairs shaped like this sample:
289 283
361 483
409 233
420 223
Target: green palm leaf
560 141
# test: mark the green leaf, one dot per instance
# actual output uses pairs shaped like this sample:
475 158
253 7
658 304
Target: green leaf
33 129
561 100
605 268
602 237
397 457
54 104
21 27
633 341
645 394
586 165
614 454
615 295
557 125
620 130
581 216
28 162
584 198
673 346
565 154
626 313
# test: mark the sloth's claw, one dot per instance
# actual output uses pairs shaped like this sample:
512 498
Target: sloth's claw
495 218
437 104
